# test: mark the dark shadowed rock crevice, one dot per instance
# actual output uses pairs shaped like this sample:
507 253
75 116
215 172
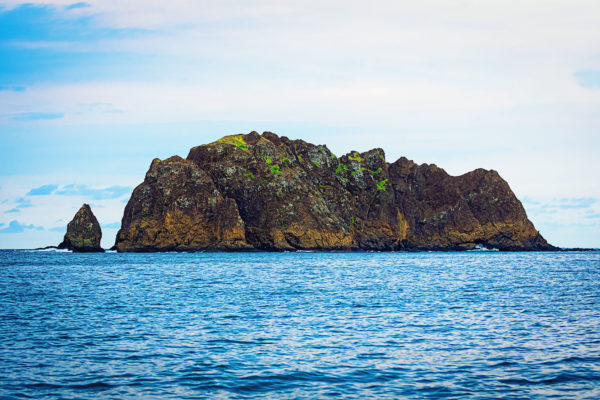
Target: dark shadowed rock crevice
268 192
83 232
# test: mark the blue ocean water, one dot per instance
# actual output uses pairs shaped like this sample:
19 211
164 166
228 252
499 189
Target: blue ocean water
299 325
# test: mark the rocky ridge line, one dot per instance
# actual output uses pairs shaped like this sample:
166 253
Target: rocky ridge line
268 192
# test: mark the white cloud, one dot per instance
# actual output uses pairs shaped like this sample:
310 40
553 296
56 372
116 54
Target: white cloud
324 61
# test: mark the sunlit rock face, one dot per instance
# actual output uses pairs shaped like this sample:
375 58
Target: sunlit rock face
83 232
271 193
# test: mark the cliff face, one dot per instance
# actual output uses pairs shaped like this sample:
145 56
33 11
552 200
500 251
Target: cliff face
179 207
83 232
271 193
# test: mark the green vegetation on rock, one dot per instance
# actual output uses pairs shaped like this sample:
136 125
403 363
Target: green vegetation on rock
381 184
275 169
286 160
238 141
377 171
317 164
340 168
249 175
355 157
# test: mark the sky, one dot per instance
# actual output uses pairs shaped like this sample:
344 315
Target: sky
91 92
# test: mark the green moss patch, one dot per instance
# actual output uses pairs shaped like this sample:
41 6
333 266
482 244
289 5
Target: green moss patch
355 157
377 171
249 175
275 169
286 160
237 141
381 184
341 168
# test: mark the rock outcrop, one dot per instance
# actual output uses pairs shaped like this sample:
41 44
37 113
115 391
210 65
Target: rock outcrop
271 193
83 232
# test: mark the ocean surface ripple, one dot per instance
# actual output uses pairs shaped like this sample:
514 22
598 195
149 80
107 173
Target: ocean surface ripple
299 325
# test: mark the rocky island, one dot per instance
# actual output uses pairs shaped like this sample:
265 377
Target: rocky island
267 192
83 233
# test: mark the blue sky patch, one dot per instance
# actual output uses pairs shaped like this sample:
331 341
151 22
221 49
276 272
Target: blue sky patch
17 227
23 67
112 192
46 23
75 6
589 78
23 203
553 207
36 116
530 201
583 202
42 190
32 47
13 88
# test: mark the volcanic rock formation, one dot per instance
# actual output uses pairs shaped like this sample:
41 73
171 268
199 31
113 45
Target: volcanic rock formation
83 232
271 193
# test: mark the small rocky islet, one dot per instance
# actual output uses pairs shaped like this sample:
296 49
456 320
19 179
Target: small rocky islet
83 233
266 192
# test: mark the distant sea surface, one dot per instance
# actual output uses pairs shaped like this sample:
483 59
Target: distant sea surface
299 325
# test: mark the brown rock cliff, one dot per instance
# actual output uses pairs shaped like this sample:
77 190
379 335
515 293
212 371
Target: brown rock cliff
83 232
271 193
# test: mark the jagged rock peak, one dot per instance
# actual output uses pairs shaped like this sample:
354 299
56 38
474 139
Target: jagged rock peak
83 232
268 192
